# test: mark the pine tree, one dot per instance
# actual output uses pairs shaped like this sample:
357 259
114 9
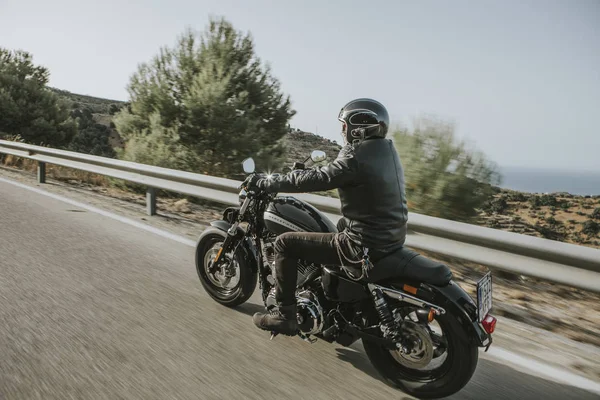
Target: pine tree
27 107
205 105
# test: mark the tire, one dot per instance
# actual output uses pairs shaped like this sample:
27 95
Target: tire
247 278
451 377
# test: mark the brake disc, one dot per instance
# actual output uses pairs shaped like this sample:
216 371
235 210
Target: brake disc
418 348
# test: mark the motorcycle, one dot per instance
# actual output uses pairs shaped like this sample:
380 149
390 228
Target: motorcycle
420 330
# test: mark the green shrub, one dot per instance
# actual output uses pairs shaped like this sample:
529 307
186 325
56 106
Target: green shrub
444 178
591 228
548 200
27 106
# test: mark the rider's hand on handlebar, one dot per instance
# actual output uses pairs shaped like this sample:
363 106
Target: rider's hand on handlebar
251 181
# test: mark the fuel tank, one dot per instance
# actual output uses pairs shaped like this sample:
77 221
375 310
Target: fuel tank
287 213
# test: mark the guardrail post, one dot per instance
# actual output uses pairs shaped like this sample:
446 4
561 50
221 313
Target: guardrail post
41 172
151 201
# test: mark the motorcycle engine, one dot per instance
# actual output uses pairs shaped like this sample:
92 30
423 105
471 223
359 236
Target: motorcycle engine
305 271
309 312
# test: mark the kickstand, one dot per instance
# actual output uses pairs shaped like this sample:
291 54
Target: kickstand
273 334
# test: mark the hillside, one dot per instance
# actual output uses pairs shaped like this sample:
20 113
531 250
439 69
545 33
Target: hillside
300 144
557 216
101 109
562 216
96 104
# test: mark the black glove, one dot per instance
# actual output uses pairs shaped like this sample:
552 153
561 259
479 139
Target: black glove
251 182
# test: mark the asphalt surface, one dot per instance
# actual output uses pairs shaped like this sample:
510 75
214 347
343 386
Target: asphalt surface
92 308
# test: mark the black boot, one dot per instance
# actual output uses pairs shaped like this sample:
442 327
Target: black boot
280 319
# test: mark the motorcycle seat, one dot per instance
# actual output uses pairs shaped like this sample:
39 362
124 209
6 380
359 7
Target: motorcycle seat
410 265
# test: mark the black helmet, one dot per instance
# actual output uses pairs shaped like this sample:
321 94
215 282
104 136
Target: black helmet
364 119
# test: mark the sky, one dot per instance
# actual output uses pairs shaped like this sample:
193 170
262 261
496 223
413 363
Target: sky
520 78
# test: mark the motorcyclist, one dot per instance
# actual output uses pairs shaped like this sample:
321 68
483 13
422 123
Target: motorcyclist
370 180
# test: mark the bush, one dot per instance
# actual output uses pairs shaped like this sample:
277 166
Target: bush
535 201
548 200
596 213
93 139
114 108
591 228
517 196
444 178
499 205
549 233
161 147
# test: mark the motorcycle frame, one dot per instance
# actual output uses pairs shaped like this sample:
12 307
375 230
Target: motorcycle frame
441 299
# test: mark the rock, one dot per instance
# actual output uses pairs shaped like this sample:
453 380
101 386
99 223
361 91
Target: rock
521 314
182 206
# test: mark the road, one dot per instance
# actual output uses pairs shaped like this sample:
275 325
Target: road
93 308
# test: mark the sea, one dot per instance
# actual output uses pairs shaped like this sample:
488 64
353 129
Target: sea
535 180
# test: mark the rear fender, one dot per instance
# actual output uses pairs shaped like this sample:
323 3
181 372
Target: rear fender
455 300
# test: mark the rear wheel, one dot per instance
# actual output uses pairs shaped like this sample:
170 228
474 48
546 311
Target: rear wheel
434 368
231 284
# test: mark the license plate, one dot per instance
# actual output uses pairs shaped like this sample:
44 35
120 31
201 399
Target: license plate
484 296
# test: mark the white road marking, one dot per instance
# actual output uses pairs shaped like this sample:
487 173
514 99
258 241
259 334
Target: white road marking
116 217
494 352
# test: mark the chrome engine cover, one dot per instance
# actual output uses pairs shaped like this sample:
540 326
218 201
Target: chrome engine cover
306 271
309 312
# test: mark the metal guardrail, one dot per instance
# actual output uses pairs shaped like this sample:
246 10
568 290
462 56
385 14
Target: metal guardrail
570 264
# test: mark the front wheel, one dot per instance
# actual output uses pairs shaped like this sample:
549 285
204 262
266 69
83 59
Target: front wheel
451 361
234 282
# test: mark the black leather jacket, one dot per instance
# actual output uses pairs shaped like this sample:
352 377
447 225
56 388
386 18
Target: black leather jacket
370 181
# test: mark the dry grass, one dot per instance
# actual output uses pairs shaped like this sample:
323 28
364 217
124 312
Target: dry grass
522 217
56 171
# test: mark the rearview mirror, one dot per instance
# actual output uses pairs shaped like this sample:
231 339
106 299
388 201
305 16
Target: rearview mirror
318 155
249 165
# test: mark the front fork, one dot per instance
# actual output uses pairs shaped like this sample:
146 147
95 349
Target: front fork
231 233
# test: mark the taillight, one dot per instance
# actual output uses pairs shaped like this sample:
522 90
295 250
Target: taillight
489 324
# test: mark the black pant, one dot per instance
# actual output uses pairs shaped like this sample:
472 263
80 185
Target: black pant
320 248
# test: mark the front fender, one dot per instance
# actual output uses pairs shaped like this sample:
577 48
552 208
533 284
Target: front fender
456 300
247 246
